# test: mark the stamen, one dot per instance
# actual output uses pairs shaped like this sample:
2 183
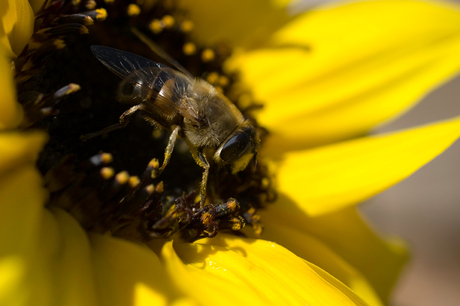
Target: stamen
98 14
189 48
207 55
133 10
156 26
75 18
212 78
37 106
186 26
107 172
90 4
168 21
63 29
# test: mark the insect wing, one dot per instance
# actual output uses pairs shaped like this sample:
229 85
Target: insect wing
164 86
138 71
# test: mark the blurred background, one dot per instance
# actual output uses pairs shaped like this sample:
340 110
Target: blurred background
424 210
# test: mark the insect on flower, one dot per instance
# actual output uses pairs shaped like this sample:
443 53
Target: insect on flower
190 108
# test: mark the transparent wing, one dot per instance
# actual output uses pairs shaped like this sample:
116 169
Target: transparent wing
127 65
163 86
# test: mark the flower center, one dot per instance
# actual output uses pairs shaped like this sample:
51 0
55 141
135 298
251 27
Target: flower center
66 91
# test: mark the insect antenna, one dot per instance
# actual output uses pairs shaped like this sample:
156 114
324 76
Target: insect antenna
160 52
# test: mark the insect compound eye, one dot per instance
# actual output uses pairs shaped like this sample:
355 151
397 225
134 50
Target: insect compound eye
236 147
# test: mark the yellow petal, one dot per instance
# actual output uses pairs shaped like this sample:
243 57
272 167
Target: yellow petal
20 210
229 270
17 22
70 264
340 243
329 178
19 231
130 274
336 73
11 113
19 148
236 22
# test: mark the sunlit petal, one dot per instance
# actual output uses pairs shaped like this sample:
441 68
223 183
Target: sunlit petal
336 73
16 26
237 22
250 271
130 274
342 244
326 179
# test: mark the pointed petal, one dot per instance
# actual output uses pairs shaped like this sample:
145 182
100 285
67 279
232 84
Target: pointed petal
340 243
251 22
336 73
11 113
243 270
16 26
130 274
330 178
36 4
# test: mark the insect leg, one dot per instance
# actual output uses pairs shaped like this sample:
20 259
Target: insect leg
170 147
124 119
204 179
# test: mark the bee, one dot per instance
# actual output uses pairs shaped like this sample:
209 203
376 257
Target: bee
190 108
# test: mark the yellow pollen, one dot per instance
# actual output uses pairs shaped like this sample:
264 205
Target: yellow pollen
134 181
90 4
212 78
232 204
133 10
265 182
156 26
84 30
75 2
223 81
189 48
150 189
101 14
186 26
236 224
168 21
154 163
59 44
73 88
109 1
207 55
88 21
106 158
107 173
159 187
122 177
206 218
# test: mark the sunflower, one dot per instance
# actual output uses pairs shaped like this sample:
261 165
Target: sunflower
325 77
